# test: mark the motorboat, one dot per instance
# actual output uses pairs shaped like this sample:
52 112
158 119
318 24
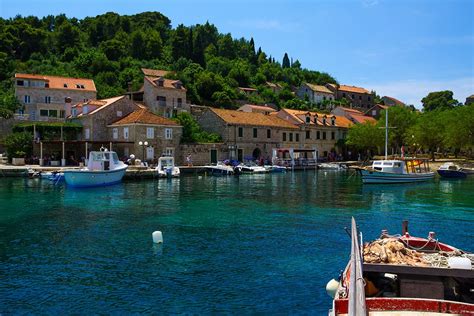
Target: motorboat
331 166
103 168
275 168
451 170
250 168
166 168
403 275
397 171
219 169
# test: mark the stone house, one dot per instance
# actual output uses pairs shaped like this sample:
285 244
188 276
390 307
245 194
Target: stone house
49 98
375 111
159 136
469 99
319 132
315 93
357 97
256 108
163 96
247 135
389 101
275 87
95 115
353 115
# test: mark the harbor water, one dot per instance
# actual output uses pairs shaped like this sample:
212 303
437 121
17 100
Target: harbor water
248 244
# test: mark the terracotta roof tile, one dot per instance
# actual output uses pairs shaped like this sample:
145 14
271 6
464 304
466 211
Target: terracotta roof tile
258 107
300 116
251 118
167 83
362 118
319 88
144 116
353 89
63 83
155 72
398 102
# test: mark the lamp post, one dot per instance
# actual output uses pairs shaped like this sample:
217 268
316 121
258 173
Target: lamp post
143 144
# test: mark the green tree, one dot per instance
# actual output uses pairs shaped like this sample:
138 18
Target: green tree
286 61
367 136
439 100
402 119
19 145
192 132
428 132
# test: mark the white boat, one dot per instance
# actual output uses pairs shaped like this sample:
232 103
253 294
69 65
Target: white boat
219 169
103 168
397 171
275 168
250 168
166 168
331 166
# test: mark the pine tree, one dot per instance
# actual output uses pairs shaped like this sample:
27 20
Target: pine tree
286 61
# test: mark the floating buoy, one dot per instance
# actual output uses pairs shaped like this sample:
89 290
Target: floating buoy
331 287
157 237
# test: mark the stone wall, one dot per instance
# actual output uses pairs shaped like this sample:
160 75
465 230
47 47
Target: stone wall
151 92
200 154
97 122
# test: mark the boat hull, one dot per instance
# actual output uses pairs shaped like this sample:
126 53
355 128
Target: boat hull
87 179
219 171
377 177
452 174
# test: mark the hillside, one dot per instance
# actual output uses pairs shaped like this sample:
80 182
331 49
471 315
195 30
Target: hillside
111 49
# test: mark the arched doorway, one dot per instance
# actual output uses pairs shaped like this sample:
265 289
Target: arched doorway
256 153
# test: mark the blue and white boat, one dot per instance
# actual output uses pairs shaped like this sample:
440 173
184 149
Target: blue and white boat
397 171
450 170
219 169
275 168
166 168
103 168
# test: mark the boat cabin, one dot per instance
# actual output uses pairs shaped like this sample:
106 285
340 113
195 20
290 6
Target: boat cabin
102 160
165 163
393 166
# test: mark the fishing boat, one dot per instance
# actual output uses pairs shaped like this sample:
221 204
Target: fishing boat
219 169
103 168
332 166
166 168
405 170
451 170
404 275
397 171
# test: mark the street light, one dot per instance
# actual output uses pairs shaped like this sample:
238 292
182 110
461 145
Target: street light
143 144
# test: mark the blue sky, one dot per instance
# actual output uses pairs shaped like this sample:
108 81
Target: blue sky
402 48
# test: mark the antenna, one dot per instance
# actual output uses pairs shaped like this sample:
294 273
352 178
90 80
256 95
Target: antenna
386 133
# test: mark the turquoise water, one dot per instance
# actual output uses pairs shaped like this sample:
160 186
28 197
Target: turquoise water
249 244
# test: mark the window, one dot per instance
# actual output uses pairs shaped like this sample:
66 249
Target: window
150 132
85 100
241 132
360 97
284 137
291 137
47 99
20 83
53 113
269 133
125 132
168 133
255 133
74 112
161 100
160 83
44 113
324 135
353 96
27 99
318 135
169 151
324 121
65 85
374 112
62 113
119 113
333 121
343 95
333 135
180 101
87 133
308 119
324 98
308 134
297 136
115 133
368 99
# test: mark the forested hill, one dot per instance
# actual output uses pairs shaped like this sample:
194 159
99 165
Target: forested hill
111 49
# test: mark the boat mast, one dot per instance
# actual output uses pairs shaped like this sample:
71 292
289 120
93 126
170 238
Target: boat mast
386 133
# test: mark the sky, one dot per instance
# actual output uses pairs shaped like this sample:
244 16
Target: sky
400 48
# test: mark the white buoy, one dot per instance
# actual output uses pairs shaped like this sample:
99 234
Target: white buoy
157 237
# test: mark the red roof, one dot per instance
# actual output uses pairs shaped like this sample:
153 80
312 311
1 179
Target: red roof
56 82
167 83
353 89
144 116
155 72
362 118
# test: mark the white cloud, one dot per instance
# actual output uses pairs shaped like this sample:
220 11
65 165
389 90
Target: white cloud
370 3
412 91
